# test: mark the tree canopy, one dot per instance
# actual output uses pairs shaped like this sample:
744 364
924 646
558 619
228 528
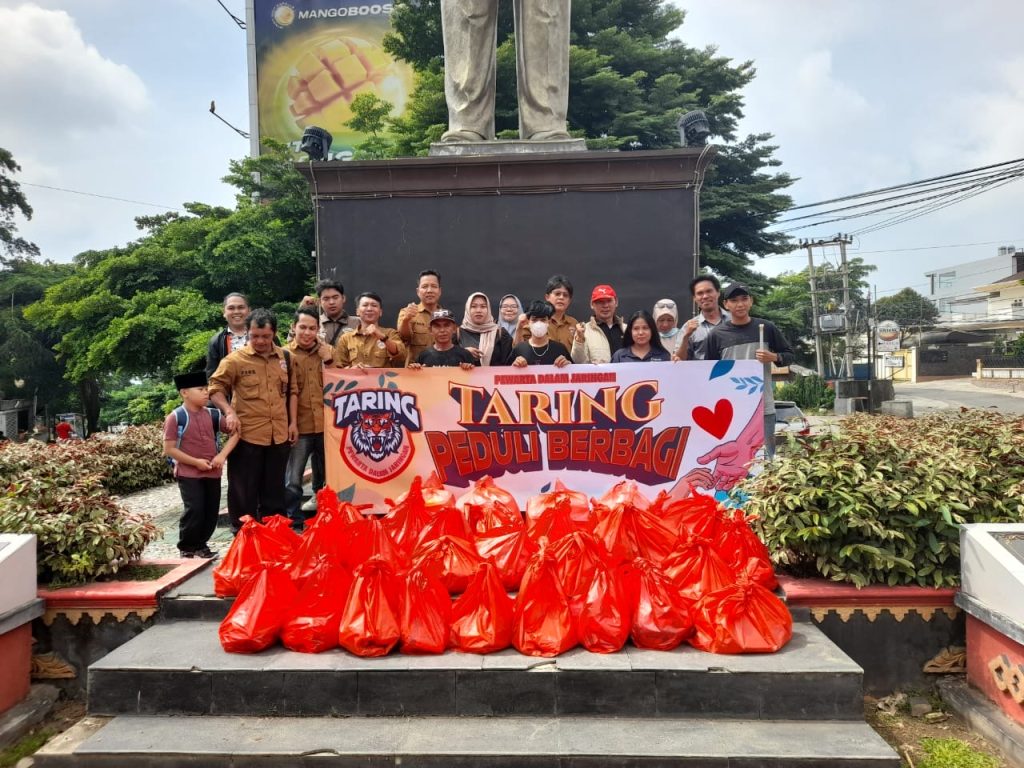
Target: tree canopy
908 308
12 202
629 83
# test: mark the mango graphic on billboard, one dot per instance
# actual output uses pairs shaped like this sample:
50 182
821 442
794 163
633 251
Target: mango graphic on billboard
313 57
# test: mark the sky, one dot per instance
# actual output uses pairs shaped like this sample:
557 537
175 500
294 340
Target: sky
111 97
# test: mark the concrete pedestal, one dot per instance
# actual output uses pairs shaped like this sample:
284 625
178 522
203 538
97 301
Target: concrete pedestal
18 607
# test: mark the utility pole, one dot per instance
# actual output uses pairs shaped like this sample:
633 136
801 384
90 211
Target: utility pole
848 356
814 309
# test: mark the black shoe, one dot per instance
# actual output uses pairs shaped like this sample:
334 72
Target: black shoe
187 554
205 553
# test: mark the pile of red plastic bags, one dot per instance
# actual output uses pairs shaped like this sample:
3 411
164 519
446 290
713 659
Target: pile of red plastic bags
593 573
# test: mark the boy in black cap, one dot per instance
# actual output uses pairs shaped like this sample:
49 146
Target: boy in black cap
443 352
743 337
191 441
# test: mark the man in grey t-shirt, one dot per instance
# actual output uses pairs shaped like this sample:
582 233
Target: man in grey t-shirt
705 290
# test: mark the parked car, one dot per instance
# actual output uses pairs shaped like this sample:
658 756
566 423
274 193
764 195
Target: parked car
789 419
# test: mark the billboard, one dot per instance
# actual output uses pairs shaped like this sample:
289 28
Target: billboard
308 59
659 424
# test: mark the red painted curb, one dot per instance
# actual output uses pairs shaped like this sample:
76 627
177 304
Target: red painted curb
821 592
123 594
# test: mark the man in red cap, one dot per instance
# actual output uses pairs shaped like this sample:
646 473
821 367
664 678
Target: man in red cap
597 340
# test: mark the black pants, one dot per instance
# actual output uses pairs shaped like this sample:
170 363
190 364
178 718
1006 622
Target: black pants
256 481
201 499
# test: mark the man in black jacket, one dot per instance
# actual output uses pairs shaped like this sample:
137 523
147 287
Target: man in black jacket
232 338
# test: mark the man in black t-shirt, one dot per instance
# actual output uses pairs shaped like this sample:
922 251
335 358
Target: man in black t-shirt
443 353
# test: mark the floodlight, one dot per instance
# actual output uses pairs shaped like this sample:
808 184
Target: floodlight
694 129
316 142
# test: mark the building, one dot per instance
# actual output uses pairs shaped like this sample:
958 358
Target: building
1005 297
955 289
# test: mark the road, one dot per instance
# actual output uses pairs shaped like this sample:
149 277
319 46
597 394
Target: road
929 396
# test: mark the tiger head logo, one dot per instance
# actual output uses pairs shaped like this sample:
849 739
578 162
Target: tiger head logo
377 423
376 434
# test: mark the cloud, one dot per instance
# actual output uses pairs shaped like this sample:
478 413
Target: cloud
56 84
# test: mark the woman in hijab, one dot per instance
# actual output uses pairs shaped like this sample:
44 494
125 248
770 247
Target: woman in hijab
488 342
509 310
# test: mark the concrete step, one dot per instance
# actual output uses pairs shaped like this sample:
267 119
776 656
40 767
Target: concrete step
180 668
453 742
194 599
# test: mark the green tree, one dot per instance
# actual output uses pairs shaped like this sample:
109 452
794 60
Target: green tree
628 85
910 309
370 114
146 309
12 201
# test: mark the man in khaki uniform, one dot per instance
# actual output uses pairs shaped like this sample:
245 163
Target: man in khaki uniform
254 389
370 345
414 319
309 356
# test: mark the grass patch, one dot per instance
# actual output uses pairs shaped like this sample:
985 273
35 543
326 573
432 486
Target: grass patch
139 573
27 746
953 753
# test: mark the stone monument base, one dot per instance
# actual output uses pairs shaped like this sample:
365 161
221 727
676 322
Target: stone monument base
504 147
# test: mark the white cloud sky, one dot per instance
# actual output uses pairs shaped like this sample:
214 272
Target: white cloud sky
111 97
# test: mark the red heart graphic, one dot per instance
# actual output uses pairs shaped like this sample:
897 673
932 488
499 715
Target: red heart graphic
714 422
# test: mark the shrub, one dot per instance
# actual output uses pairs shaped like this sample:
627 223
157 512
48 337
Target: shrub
82 532
881 501
808 392
954 753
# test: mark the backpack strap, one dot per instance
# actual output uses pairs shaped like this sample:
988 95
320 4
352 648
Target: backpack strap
215 416
181 417
288 392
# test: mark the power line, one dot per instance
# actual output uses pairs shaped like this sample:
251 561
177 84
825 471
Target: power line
238 21
94 194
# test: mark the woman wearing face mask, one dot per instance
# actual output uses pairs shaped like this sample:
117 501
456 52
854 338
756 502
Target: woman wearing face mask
539 349
666 315
640 342
481 336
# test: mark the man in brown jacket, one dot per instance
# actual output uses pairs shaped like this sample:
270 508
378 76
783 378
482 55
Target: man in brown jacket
370 345
414 319
309 356
255 390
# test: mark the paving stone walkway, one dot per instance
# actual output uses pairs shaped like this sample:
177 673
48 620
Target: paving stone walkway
163 504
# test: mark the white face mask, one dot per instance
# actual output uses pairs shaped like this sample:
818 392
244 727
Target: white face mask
668 334
539 329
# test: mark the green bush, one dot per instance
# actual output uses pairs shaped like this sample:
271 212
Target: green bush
62 493
881 501
808 392
82 532
954 753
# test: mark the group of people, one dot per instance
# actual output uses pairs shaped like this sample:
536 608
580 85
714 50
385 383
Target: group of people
267 399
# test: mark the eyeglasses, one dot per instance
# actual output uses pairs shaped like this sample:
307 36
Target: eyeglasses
665 305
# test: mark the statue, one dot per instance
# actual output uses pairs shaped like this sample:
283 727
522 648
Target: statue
542 68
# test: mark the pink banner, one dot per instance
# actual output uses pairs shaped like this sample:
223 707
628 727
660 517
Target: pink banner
659 424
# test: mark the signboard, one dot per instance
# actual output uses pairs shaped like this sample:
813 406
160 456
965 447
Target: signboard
590 426
887 336
309 58
894 361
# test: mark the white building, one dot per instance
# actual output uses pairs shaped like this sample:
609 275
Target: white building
956 290
1005 297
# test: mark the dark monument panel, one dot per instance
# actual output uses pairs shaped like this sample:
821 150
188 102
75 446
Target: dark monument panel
640 241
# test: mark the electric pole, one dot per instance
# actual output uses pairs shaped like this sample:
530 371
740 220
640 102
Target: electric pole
814 309
848 352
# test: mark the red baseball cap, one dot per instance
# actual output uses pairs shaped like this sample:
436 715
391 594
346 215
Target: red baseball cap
602 292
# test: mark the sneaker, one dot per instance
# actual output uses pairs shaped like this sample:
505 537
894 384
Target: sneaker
205 553
310 506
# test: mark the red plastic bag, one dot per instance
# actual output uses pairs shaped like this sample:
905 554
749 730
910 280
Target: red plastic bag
738 545
435 495
368 539
407 517
696 568
605 620
542 622
426 614
741 618
254 546
371 622
311 625
628 529
510 549
326 538
660 615
578 556
482 617
254 621
280 527
697 514
452 560
485 507
557 513
447 521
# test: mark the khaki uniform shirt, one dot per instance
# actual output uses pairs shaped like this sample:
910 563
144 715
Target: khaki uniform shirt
563 331
330 330
358 347
308 375
257 388
419 336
